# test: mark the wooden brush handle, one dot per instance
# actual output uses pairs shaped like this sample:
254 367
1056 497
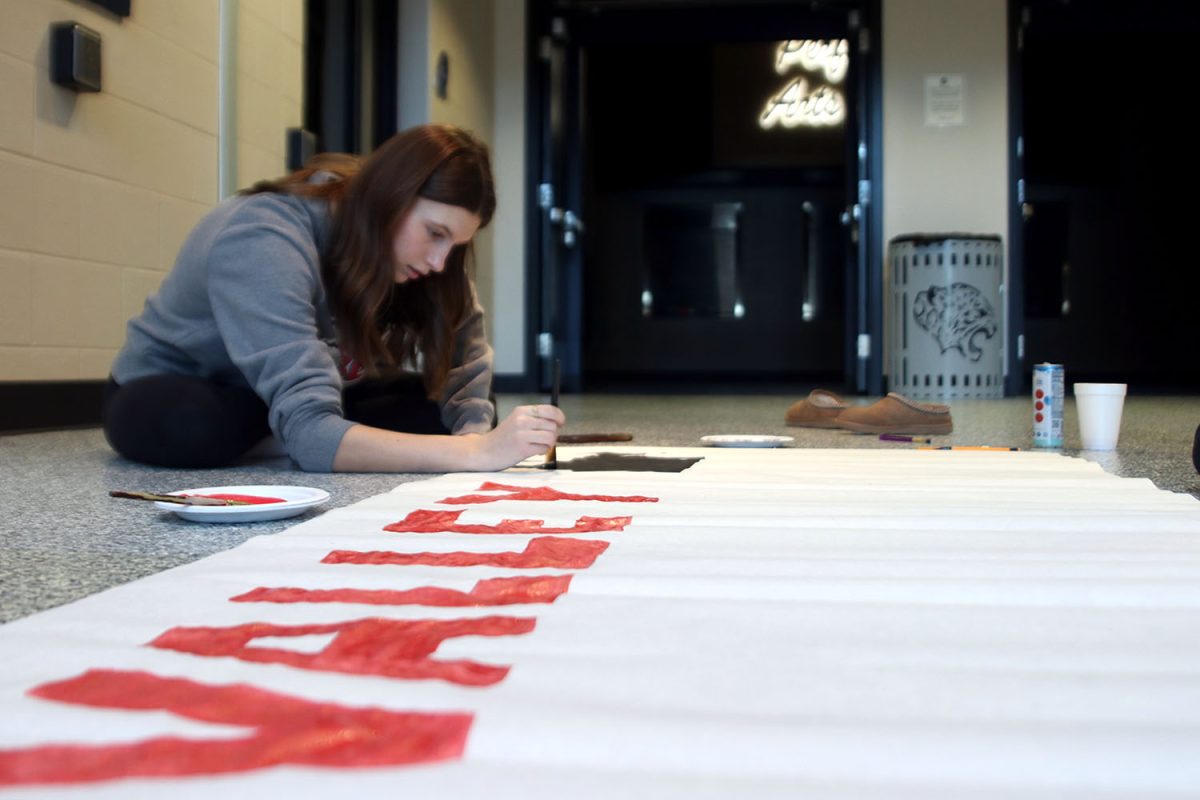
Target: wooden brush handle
186 500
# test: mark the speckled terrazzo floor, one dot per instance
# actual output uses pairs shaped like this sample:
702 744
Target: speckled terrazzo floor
63 538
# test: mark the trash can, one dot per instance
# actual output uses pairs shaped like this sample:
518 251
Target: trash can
947 315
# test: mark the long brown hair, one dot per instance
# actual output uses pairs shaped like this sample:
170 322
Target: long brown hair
380 323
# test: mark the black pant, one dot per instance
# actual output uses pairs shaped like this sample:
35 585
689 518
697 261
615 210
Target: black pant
187 422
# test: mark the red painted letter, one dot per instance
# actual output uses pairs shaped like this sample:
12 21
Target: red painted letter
537 493
283 730
491 592
397 649
543 551
423 521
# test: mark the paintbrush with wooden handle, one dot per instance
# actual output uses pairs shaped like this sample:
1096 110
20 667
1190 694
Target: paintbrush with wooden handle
187 500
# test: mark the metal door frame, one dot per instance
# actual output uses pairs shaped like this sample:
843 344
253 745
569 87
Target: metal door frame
864 320
1014 345
555 333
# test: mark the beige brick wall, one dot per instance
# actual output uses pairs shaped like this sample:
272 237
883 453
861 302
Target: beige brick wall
97 191
463 30
270 84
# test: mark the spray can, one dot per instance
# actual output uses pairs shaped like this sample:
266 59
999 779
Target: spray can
1049 391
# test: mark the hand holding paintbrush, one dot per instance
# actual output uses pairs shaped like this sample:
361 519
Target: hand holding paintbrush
528 431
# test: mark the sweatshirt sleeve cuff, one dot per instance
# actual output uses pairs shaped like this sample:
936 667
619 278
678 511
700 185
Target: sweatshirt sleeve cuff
474 417
320 443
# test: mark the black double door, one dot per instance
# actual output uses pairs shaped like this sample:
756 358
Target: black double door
705 198
1105 180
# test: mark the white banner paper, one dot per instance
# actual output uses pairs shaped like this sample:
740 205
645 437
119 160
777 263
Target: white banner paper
768 623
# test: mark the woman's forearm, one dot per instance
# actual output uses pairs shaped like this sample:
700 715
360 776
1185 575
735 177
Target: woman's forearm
527 431
367 449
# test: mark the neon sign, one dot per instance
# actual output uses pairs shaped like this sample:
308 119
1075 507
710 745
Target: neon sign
796 105
815 55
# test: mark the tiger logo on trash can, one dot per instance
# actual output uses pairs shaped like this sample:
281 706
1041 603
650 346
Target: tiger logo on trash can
955 317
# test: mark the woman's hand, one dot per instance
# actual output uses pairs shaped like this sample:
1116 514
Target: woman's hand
527 431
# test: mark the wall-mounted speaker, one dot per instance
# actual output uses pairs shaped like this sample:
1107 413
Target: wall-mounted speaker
75 56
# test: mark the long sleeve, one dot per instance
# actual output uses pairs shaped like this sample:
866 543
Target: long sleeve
465 401
265 291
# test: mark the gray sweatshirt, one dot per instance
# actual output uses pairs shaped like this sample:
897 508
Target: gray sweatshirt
245 305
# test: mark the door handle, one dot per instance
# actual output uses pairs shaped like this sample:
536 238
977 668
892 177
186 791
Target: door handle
572 226
850 218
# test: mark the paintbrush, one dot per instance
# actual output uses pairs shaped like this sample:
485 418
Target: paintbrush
187 500
591 438
552 453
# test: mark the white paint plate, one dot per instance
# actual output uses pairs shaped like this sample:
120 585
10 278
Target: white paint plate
296 500
745 440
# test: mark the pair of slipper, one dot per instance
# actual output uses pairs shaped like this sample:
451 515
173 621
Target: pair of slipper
893 414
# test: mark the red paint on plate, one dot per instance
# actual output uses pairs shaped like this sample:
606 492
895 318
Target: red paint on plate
249 499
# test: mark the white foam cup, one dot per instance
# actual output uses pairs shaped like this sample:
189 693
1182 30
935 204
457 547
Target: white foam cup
1099 408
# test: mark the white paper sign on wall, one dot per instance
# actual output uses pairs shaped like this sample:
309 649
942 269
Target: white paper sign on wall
943 100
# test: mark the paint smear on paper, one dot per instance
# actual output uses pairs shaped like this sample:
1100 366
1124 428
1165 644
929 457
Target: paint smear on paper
626 462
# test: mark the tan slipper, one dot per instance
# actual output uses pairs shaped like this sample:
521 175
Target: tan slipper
897 414
819 410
